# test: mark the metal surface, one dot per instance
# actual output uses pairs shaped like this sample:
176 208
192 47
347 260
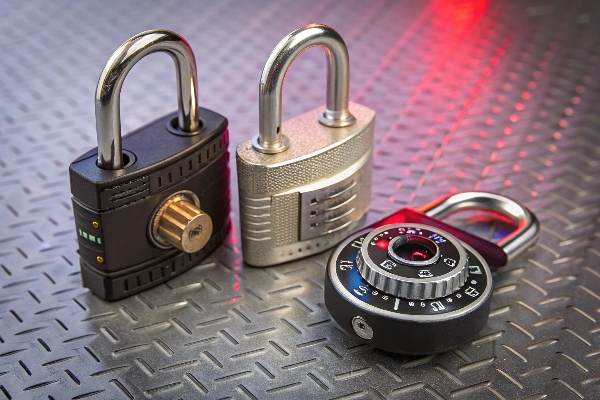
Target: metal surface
271 139
500 97
108 91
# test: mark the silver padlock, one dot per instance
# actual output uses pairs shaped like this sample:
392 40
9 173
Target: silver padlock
305 184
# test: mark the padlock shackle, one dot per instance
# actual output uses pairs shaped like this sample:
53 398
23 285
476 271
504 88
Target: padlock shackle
528 226
108 90
270 138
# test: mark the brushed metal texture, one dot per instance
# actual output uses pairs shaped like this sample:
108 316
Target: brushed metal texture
320 163
316 152
285 216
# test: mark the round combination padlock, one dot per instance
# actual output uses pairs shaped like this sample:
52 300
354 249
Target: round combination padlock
413 288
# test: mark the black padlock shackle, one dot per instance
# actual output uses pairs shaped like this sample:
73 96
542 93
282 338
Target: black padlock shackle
528 226
108 90
270 138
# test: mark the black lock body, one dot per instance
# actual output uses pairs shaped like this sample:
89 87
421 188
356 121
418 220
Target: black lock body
113 208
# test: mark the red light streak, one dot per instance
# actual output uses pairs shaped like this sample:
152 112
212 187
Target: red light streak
420 255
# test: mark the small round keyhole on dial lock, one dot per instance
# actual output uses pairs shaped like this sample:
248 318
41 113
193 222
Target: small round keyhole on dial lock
362 328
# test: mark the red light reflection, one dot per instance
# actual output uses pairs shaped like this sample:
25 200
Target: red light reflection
382 243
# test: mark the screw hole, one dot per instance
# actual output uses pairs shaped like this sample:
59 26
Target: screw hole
313 202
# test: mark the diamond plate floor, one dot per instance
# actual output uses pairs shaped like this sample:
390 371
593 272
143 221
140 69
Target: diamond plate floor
500 96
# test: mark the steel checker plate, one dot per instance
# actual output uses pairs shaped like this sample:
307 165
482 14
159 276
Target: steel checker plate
501 96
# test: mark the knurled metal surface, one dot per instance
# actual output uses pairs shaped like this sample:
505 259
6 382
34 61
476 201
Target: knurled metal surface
500 96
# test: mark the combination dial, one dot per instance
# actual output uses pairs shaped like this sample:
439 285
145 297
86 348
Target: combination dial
413 261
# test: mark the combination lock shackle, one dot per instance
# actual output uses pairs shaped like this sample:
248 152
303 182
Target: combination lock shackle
270 138
428 304
515 243
108 90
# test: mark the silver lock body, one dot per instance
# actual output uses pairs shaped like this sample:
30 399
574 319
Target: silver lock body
304 184
310 197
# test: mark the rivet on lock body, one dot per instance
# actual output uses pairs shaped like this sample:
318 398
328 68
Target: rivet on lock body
154 203
305 184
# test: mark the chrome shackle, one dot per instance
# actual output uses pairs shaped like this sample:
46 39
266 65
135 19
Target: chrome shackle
270 138
108 90
528 226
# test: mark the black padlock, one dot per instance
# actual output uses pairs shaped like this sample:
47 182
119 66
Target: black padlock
153 204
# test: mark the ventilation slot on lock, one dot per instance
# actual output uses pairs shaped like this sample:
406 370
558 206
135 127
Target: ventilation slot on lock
328 209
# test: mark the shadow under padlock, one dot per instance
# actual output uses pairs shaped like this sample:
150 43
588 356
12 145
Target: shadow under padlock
413 284
304 185
154 203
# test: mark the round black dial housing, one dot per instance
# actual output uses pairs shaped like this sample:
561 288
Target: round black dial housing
402 325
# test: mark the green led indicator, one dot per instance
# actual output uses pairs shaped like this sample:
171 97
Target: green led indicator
90 237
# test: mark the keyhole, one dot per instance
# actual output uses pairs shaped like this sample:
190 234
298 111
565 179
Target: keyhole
361 326
195 233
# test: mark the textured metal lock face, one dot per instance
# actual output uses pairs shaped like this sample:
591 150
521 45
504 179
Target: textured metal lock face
311 196
117 208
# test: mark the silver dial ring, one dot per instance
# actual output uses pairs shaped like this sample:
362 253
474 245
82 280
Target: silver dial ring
438 272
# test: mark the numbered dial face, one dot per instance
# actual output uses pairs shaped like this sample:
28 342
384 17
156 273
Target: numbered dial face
413 261
474 291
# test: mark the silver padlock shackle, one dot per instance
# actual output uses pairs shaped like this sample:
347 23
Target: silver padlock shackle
108 90
270 138
528 226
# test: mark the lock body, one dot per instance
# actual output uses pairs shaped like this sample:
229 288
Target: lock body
404 325
309 197
407 285
114 209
